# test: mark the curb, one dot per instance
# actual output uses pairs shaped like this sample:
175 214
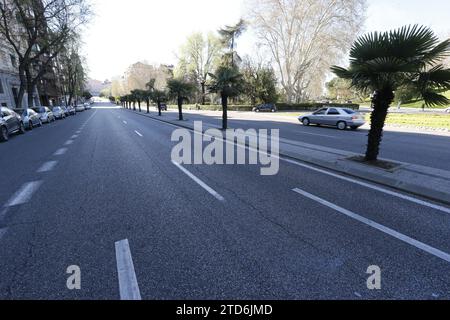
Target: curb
414 189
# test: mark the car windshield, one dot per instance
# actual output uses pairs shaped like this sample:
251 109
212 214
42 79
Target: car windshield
321 111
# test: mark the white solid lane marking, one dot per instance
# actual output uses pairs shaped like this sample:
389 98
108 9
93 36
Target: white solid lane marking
200 182
68 142
128 285
371 186
124 122
140 135
317 134
413 242
60 152
24 194
48 166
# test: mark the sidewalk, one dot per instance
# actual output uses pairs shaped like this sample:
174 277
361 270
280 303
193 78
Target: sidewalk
420 180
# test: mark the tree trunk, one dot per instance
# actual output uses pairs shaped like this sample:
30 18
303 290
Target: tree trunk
139 105
159 109
203 93
148 105
180 108
134 105
224 112
30 88
381 102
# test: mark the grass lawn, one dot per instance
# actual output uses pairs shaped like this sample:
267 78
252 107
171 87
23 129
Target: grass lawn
439 121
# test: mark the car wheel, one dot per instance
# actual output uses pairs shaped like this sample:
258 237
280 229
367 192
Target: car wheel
21 128
341 125
4 136
306 122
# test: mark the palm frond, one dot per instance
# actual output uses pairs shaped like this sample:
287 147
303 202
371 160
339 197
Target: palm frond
432 98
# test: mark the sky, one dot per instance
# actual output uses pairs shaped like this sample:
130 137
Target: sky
123 32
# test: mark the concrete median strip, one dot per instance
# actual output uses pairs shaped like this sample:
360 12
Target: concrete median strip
413 242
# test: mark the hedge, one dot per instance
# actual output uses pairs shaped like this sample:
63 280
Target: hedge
309 106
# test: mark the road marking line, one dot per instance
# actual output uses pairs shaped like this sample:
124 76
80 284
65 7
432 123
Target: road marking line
128 285
200 182
124 122
371 186
24 194
364 184
316 134
68 142
60 152
140 135
413 242
3 213
48 166
74 136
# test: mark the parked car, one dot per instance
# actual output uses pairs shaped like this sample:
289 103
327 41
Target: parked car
58 112
87 106
65 110
10 123
71 110
342 118
163 107
31 119
45 114
268 107
79 108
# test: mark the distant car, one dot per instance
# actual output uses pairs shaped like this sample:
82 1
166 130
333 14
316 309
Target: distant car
31 119
342 118
87 106
163 107
79 108
45 114
58 112
10 123
268 107
71 110
65 110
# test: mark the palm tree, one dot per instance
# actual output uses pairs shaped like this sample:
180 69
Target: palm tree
385 62
139 96
229 34
148 94
229 83
159 96
180 90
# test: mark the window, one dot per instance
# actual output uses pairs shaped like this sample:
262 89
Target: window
348 111
333 112
13 60
320 112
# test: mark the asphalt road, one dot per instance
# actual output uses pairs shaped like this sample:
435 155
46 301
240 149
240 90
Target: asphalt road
211 232
422 149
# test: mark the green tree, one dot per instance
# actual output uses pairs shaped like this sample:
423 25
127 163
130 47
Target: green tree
180 90
139 96
229 35
228 82
260 82
159 96
384 62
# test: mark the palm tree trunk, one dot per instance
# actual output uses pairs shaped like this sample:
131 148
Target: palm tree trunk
224 112
203 93
148 105
139 105
381 102
180 108
159 109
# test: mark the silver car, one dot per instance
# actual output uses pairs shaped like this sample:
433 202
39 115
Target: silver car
45 114
342 118
59 113
79 108
31 119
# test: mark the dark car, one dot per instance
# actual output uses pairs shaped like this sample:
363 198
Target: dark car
163 107
268 107
10 123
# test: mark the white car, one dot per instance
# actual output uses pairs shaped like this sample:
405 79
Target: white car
342 118
80 108
87 106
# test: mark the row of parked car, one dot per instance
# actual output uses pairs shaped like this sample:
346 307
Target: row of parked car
18 121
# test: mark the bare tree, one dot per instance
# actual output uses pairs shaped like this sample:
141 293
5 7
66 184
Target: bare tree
37 30
304 38
198 56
